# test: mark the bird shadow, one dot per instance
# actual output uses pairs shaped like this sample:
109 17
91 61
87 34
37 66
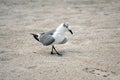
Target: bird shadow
63 53
60 52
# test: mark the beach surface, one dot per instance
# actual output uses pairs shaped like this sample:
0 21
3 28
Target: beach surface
92 52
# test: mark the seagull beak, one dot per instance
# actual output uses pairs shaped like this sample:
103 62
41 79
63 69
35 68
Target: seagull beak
71 31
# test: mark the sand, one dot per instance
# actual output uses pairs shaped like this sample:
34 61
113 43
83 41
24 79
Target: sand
92 53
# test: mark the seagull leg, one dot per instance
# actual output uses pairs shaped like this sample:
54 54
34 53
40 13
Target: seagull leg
52 51
56 51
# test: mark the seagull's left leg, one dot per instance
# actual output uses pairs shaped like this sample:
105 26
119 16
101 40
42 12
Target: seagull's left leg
56 51
52 51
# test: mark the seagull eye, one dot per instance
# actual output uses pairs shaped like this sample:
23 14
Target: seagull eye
36 35
65 25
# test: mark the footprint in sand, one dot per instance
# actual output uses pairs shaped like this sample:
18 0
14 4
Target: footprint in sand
31 67
100 72
7 56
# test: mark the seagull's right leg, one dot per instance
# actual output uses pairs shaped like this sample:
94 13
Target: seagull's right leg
56 51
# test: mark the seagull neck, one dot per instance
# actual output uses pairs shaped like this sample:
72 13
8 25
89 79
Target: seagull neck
60 30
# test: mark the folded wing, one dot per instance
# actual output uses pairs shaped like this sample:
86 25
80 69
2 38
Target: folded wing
46 38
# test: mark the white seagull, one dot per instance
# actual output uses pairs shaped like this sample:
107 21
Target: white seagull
55 36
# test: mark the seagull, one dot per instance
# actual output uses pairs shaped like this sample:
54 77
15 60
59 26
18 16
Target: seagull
53 37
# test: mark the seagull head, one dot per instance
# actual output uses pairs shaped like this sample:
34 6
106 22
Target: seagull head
67 27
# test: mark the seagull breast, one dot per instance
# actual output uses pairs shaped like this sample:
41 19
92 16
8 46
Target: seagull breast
60 38
64 40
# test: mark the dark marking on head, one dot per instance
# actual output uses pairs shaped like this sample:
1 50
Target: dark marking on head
65 25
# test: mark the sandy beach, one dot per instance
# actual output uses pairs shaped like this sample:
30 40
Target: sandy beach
92 53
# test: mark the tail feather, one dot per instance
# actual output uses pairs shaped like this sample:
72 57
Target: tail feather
35 36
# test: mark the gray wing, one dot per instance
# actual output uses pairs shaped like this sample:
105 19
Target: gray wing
46 38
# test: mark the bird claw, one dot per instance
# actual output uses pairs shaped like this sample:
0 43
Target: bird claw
52 53
56 53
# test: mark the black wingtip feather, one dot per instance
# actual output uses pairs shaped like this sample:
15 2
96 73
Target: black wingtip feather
35 36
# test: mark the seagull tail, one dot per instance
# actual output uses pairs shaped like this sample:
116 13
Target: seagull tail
35 36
